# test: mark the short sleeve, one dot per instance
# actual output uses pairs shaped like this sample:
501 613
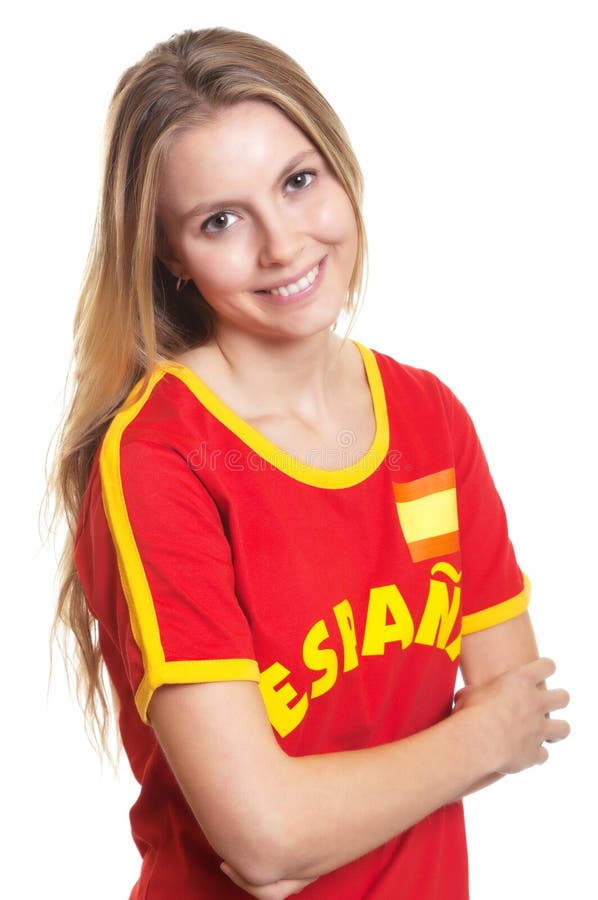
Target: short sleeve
182 622
494 589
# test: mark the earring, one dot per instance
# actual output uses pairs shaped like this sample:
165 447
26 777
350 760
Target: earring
181 282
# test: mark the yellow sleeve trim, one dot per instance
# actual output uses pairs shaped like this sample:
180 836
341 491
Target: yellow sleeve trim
193 672
502 612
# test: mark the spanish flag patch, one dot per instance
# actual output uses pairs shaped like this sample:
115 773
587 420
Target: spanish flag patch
427 509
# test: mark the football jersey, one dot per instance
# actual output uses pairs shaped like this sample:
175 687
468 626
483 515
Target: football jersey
342 588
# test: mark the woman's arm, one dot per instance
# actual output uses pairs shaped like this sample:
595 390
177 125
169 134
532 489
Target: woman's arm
272 817
484 656
487 654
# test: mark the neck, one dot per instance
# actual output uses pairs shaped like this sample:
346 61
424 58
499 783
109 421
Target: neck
280 375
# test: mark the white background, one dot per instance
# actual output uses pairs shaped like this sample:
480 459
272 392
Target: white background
475 124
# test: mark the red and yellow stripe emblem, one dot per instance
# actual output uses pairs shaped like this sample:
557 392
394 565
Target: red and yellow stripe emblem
427 509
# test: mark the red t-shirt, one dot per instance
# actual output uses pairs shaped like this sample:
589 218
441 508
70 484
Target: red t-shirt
208 554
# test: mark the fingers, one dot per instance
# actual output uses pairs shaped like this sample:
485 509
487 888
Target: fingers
557 698
557 730
540 669
552 699
516 707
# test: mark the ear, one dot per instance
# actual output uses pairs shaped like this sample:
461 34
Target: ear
174 266
167 256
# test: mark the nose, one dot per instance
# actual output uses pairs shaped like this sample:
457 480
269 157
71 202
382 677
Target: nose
281 238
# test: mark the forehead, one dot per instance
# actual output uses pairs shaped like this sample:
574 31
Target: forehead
251 140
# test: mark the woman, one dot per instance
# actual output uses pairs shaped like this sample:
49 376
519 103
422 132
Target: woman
283 543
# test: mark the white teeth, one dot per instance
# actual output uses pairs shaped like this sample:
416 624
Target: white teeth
297 286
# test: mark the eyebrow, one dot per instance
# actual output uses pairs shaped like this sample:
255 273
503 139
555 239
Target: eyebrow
202 208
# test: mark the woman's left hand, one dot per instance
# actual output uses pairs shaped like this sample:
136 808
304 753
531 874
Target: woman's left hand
276 891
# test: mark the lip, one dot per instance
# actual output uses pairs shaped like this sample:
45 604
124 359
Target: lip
292 280
292 298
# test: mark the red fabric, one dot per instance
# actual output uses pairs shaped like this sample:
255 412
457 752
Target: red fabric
243 561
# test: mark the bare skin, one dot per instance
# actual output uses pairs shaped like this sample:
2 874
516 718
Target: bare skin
328 423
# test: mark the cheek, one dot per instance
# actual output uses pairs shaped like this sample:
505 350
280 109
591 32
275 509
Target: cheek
336 219
224 267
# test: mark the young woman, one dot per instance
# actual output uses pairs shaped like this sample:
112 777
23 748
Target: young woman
283 543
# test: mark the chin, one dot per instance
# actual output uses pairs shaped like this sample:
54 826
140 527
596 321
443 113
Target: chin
309 324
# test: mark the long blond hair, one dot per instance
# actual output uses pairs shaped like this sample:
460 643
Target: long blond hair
130 316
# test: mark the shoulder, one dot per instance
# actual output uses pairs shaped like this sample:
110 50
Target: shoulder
151 435
419 400
161 412
143 467
400 372
154 401
411 382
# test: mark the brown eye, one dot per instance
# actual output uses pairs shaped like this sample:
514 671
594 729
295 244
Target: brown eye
301 180
218 222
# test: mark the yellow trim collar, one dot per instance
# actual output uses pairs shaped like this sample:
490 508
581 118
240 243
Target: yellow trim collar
280 459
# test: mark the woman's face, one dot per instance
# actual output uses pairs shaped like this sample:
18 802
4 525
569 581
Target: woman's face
248 205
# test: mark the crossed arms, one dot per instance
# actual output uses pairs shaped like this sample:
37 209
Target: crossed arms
279 822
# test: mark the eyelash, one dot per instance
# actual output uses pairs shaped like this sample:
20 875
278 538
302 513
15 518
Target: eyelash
224 212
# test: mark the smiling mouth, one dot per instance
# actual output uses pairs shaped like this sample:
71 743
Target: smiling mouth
296 286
